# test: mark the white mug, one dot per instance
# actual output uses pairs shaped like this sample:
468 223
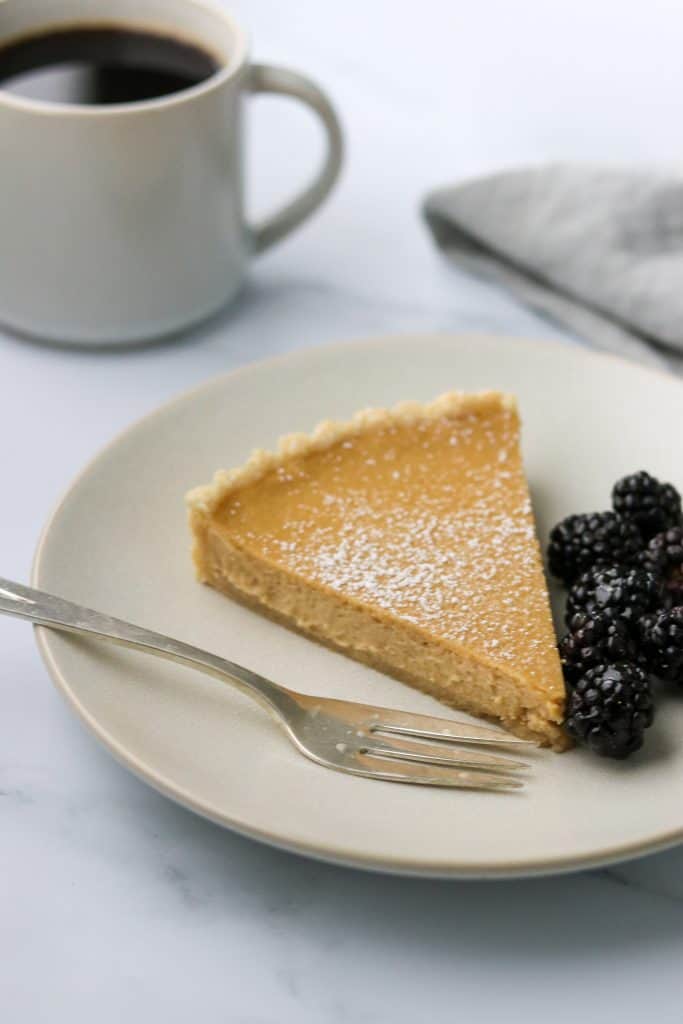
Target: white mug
123 223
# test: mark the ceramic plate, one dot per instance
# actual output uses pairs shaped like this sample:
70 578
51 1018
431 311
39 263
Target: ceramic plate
119 543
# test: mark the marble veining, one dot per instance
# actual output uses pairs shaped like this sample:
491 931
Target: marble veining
115 904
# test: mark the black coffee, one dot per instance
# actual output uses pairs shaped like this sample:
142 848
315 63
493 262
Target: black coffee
101 64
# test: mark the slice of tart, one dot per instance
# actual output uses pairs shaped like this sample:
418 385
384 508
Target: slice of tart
405 539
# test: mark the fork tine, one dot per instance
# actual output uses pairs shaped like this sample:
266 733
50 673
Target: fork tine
435 753
405 723
431 775
444 730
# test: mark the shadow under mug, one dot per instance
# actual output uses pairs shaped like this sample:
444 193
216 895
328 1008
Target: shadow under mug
124 223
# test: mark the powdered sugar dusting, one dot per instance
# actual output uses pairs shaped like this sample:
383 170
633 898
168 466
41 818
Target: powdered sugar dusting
430 521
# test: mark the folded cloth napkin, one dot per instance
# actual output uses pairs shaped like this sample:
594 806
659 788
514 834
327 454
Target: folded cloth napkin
599 250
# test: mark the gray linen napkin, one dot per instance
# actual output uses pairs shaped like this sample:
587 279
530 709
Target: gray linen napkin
599 250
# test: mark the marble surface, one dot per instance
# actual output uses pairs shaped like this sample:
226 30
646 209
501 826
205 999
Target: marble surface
116 904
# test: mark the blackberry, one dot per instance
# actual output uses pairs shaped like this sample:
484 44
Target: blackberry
610 708
617 592
581 541
594 639
664 557
651 505
663 641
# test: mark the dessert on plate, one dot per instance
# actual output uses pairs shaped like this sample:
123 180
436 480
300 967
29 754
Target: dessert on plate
403 538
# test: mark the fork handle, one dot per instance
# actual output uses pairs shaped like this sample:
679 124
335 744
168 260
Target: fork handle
48 610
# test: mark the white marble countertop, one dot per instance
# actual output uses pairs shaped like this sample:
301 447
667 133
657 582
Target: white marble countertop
114 903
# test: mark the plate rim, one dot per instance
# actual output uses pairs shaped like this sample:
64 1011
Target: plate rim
402 866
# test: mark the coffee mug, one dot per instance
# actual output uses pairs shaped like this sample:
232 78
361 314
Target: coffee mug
125 222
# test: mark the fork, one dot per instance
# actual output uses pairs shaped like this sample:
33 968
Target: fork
376 742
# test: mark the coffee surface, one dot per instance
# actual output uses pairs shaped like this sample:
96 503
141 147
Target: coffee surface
102 64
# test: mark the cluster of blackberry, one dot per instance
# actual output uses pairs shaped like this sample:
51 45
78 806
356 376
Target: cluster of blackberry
624 571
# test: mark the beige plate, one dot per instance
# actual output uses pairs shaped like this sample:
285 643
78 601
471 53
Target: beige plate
118 542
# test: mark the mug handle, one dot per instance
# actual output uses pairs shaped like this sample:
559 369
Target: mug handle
266 78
